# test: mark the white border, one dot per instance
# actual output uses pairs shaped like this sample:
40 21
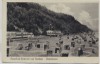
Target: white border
60 59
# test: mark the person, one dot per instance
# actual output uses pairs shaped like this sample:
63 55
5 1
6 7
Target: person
20 47
65 54
93 51
60 36
85 40
7 42
45 47
7 52
60 49
72 39
37 39
49 52
80 51
67 47
90 44
73 44
57 44
36 44
68 37
93 41
79 41
48 43
30 45
83 46
96 39
57 49
60 41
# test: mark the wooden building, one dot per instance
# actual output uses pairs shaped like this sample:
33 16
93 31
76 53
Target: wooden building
53 33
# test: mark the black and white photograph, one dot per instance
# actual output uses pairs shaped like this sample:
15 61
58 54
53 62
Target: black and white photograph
52 29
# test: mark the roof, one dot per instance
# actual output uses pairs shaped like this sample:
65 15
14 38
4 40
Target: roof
53 31
13 32
49 30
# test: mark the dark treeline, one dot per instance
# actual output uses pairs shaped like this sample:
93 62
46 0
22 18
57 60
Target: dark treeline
37 19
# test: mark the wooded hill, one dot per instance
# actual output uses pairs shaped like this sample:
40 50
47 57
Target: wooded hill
37 19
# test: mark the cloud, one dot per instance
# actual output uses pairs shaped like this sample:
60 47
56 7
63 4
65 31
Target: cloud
85 18
81 15
60 8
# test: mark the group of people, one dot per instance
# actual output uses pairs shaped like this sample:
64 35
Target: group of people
85 40
79 41
30 45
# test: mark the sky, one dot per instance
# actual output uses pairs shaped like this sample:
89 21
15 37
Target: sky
85 13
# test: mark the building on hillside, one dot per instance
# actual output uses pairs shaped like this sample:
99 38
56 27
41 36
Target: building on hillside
16 35
53 33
